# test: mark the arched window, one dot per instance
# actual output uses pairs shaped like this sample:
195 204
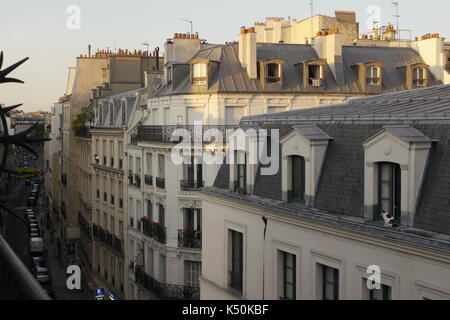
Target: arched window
298 179
389 185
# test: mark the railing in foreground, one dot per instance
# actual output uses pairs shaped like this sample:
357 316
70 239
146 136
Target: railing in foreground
16 281
165 291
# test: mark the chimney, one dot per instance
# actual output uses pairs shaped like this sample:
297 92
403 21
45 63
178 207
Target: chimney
247 51
89 50
431 49
181 48
329 47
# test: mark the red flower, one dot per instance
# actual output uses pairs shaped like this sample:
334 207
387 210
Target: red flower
143 219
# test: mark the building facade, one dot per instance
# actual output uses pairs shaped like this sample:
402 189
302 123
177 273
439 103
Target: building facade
314 228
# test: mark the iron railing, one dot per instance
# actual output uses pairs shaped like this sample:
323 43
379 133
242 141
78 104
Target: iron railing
165 291
148 180
189 185
160 183
155 231
84 224
16 281
189 239
165 134
83 132
107 238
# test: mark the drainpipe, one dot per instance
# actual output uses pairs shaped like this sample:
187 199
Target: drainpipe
264 246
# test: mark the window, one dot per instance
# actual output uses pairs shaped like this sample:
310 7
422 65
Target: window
419 78
199 74
162 268
330 282
288 275
111 113
161 166
149 160
111 149
149 266
273 72
381 294
315 75
236 260
123 111
162 217
241 181
298 179
390 189
373 76
169 75
149 210
192 272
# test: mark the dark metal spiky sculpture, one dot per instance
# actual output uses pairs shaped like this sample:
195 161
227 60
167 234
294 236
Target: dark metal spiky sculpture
21 139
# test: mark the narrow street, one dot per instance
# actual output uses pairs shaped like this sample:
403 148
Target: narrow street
16 234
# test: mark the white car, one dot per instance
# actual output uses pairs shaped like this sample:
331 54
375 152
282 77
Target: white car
42 275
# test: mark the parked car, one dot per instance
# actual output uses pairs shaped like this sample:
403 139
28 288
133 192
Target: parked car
31 217
38 261
35 230
36 244
42 275
31 201
35 235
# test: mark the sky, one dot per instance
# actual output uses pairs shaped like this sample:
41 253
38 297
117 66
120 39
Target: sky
39 30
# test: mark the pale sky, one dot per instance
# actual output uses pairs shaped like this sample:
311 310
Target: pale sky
38 29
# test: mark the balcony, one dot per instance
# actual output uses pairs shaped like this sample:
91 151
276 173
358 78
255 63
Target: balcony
191 185
84 224
148 180
160 183
165 291
83 132
108 238
163 134
155 231
189 239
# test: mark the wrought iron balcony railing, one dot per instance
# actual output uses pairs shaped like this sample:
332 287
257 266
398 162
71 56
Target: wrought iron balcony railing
160 183
84 224
137 181
190 185
165 134
165 291
155 231
189 239
83 132
148 180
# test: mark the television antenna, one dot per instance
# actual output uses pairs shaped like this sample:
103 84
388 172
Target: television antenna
191 23
397 15
147 45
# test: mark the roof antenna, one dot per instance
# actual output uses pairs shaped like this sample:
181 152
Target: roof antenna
312 14
397 16
192 24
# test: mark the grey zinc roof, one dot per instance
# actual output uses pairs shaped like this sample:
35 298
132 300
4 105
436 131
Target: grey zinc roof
230 76
407 133
311 132
426 102
341 184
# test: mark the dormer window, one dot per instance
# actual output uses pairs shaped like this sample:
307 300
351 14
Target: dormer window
419 77
123 112
297 193
111 113
241 171
169 75
373 75
315 75
389 195
273 72
199 74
